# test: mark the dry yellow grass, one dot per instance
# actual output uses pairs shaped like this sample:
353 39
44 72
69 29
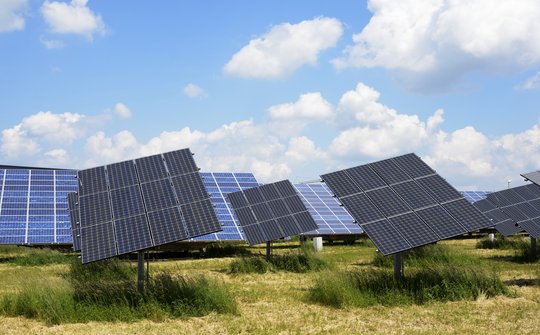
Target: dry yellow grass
274 303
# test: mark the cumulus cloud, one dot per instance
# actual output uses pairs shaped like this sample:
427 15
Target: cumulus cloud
194 91
15 143
51 44
72 18
375 130
432 45
285 48
12 15
532 83
122 111
303 149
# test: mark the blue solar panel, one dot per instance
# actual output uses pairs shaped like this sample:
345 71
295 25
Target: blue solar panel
33 206
474 196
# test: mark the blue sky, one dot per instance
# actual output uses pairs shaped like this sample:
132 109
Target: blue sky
283 89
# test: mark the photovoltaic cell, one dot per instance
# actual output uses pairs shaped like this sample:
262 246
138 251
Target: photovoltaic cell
74 219
143 207
415 203
532 227
99 243
94 181
387 239
253 205
365 177
330 216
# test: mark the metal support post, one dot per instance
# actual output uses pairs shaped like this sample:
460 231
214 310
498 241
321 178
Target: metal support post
533 246
268 250
398 266
140 271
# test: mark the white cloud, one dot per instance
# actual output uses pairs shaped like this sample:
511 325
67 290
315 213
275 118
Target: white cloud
15 143
303 149
56 158
194 91
122 110
51 44
53 127
309 106
285 48
532 83
12 15
432 45
375 130
72 18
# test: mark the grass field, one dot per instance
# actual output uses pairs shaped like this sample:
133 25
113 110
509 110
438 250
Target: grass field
277 302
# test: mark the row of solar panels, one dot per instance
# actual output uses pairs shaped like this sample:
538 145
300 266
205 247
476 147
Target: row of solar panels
34 207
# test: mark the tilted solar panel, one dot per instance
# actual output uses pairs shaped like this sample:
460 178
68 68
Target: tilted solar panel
142 203
73 206
522 205
33 206
260 222
330 216
533 176
414 206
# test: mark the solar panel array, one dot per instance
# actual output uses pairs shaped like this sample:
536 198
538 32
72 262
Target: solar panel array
503 223
138 204
219 184
401 203
33 207
532 176
73 206
270 212
521 204
330 217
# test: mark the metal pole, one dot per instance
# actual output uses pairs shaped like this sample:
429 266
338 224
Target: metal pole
140 271
268 250
398 266
533 246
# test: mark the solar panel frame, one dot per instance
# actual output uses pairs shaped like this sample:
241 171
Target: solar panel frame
533 176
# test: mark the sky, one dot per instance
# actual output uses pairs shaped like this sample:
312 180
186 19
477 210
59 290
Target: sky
283 89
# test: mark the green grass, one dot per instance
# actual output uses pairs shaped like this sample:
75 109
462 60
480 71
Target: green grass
223 249
429 255
107 291
301 261
25 256
378 287
432 273
505 243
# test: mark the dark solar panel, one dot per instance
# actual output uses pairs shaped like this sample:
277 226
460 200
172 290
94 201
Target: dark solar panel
92 181
264 217
122 174
389 171
74 219
441 222
365 177
409 203
508 228
413 165
415 231
388 202
439 188
142 208
340 183
151 168
180 162
98 242
533 176
387 239
532 227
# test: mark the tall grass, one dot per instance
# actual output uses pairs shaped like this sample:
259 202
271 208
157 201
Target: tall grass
107 291
25 256
304 260
428 255
501 243
378 286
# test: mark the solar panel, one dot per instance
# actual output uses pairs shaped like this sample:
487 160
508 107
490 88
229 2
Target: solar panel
533 176
142 203
262 224
330 216
415 204
74 218
522 205
34 206
474 196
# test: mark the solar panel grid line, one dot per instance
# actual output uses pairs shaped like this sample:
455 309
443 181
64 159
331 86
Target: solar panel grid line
27 207
412 165
389 171
307 203
54 191
532 227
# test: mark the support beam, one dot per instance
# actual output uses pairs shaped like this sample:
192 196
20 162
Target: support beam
140 271
398 266
268 250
